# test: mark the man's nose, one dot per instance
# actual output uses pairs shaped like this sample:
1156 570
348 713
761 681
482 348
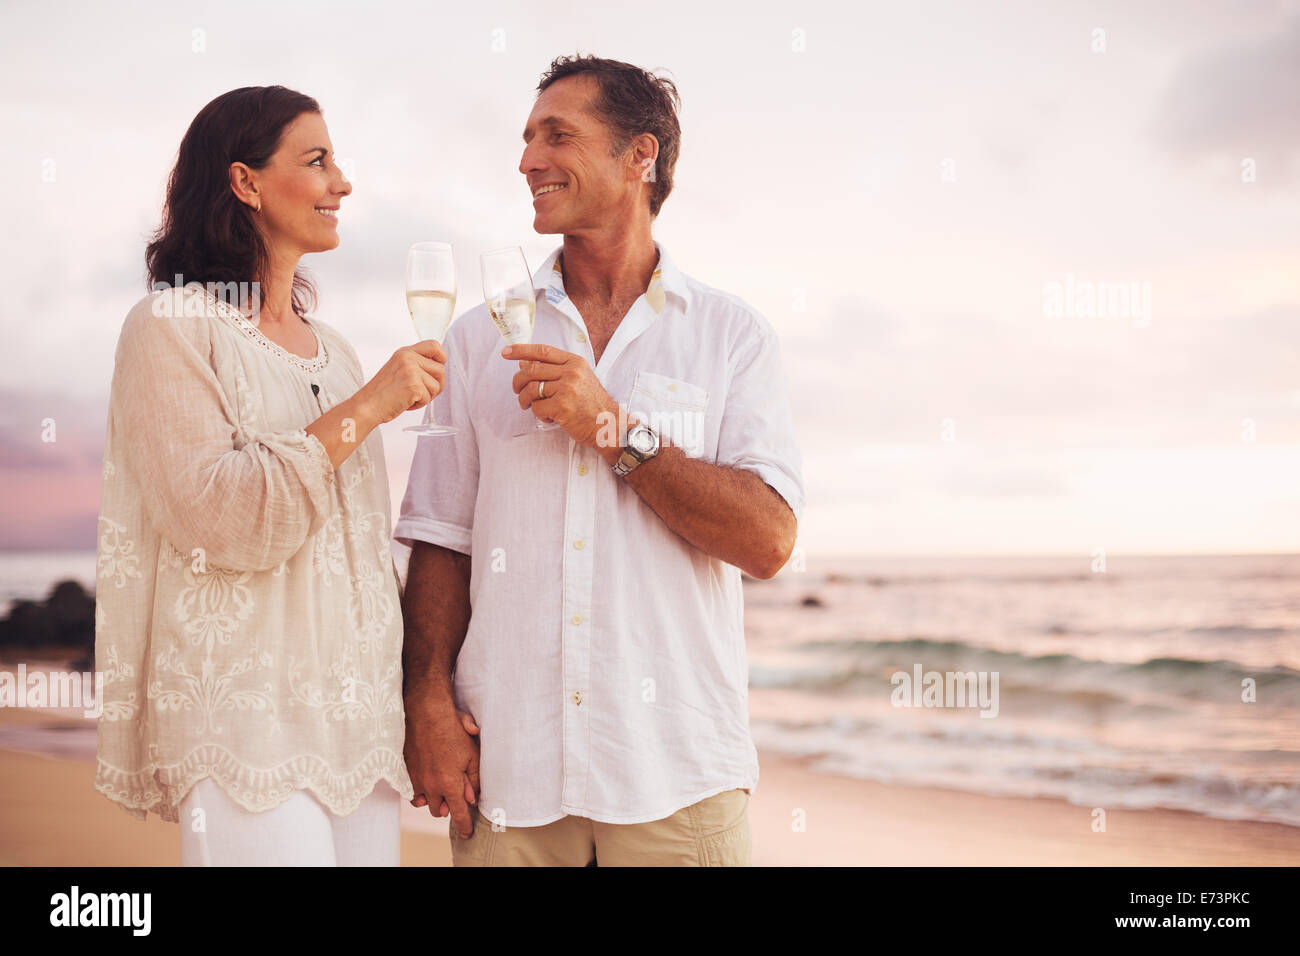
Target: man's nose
530 160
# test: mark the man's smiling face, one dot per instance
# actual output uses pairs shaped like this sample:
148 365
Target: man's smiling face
574 180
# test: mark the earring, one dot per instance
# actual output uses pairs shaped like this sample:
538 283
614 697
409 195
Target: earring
258 207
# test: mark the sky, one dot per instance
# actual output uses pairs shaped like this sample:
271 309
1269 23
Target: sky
900 189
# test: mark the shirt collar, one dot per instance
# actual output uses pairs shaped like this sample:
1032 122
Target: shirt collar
665 279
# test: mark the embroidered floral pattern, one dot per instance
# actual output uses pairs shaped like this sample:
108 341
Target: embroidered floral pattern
329 557
204 666
351 695
117 558
213 605
208 692
170 557
371 606
247 401
164 784
115 671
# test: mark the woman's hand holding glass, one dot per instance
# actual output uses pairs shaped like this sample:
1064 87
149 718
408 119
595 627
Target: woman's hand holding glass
411 379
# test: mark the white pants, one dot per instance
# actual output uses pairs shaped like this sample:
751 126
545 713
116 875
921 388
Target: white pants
299 832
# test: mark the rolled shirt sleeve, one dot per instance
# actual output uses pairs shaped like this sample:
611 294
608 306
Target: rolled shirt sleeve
438 507
248 501
757 429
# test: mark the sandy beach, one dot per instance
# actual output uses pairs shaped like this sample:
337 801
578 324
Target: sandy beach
51 815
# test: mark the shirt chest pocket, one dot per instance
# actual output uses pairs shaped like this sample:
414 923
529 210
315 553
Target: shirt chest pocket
673 407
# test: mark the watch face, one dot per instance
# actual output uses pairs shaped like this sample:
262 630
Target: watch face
641 439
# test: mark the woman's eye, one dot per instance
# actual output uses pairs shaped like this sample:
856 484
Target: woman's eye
319 159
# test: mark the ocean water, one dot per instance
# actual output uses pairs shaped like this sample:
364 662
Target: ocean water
31 575
1120 689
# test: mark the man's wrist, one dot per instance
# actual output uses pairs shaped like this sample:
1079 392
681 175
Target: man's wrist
641 444
611 451
435 699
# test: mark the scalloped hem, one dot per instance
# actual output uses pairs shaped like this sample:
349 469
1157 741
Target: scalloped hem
162 788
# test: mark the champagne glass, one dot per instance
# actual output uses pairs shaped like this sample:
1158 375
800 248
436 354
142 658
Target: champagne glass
430 298
508 292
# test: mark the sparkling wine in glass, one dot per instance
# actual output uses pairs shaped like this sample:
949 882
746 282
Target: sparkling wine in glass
431 299
508 292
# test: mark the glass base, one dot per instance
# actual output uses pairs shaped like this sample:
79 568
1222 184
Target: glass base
432 429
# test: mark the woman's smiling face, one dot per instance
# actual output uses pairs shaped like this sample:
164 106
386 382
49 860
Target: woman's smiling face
301 189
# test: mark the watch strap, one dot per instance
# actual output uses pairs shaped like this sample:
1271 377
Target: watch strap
630 457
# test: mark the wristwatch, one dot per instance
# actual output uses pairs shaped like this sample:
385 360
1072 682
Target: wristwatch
642 444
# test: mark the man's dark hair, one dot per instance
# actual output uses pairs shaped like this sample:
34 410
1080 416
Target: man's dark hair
631 101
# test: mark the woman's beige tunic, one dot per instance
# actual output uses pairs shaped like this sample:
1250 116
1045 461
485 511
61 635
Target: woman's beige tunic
248 623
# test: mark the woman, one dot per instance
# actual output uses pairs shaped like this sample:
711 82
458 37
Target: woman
248 622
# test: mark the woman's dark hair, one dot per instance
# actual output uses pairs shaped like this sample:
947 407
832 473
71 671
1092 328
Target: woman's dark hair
631 101
207 234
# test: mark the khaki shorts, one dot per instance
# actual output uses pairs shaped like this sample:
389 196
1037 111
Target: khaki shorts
713 832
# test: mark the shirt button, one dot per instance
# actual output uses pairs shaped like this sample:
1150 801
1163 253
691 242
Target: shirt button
672 388
577 697
582 469
578 544
582 338
577 619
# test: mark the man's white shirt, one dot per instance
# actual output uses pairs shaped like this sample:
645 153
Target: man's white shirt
605 658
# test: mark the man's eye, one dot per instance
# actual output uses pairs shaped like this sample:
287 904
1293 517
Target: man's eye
558 135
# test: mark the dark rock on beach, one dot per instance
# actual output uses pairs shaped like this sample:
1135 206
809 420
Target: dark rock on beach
64 621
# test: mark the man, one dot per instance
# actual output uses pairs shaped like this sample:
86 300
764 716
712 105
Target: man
582 582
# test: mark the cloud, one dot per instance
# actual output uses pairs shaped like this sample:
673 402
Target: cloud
814 172
76 426
866 375
1237 100
69 532
992 477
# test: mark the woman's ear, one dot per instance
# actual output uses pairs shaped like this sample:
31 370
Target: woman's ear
243 183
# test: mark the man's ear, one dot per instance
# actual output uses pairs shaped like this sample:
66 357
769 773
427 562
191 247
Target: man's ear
644 153
243 183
